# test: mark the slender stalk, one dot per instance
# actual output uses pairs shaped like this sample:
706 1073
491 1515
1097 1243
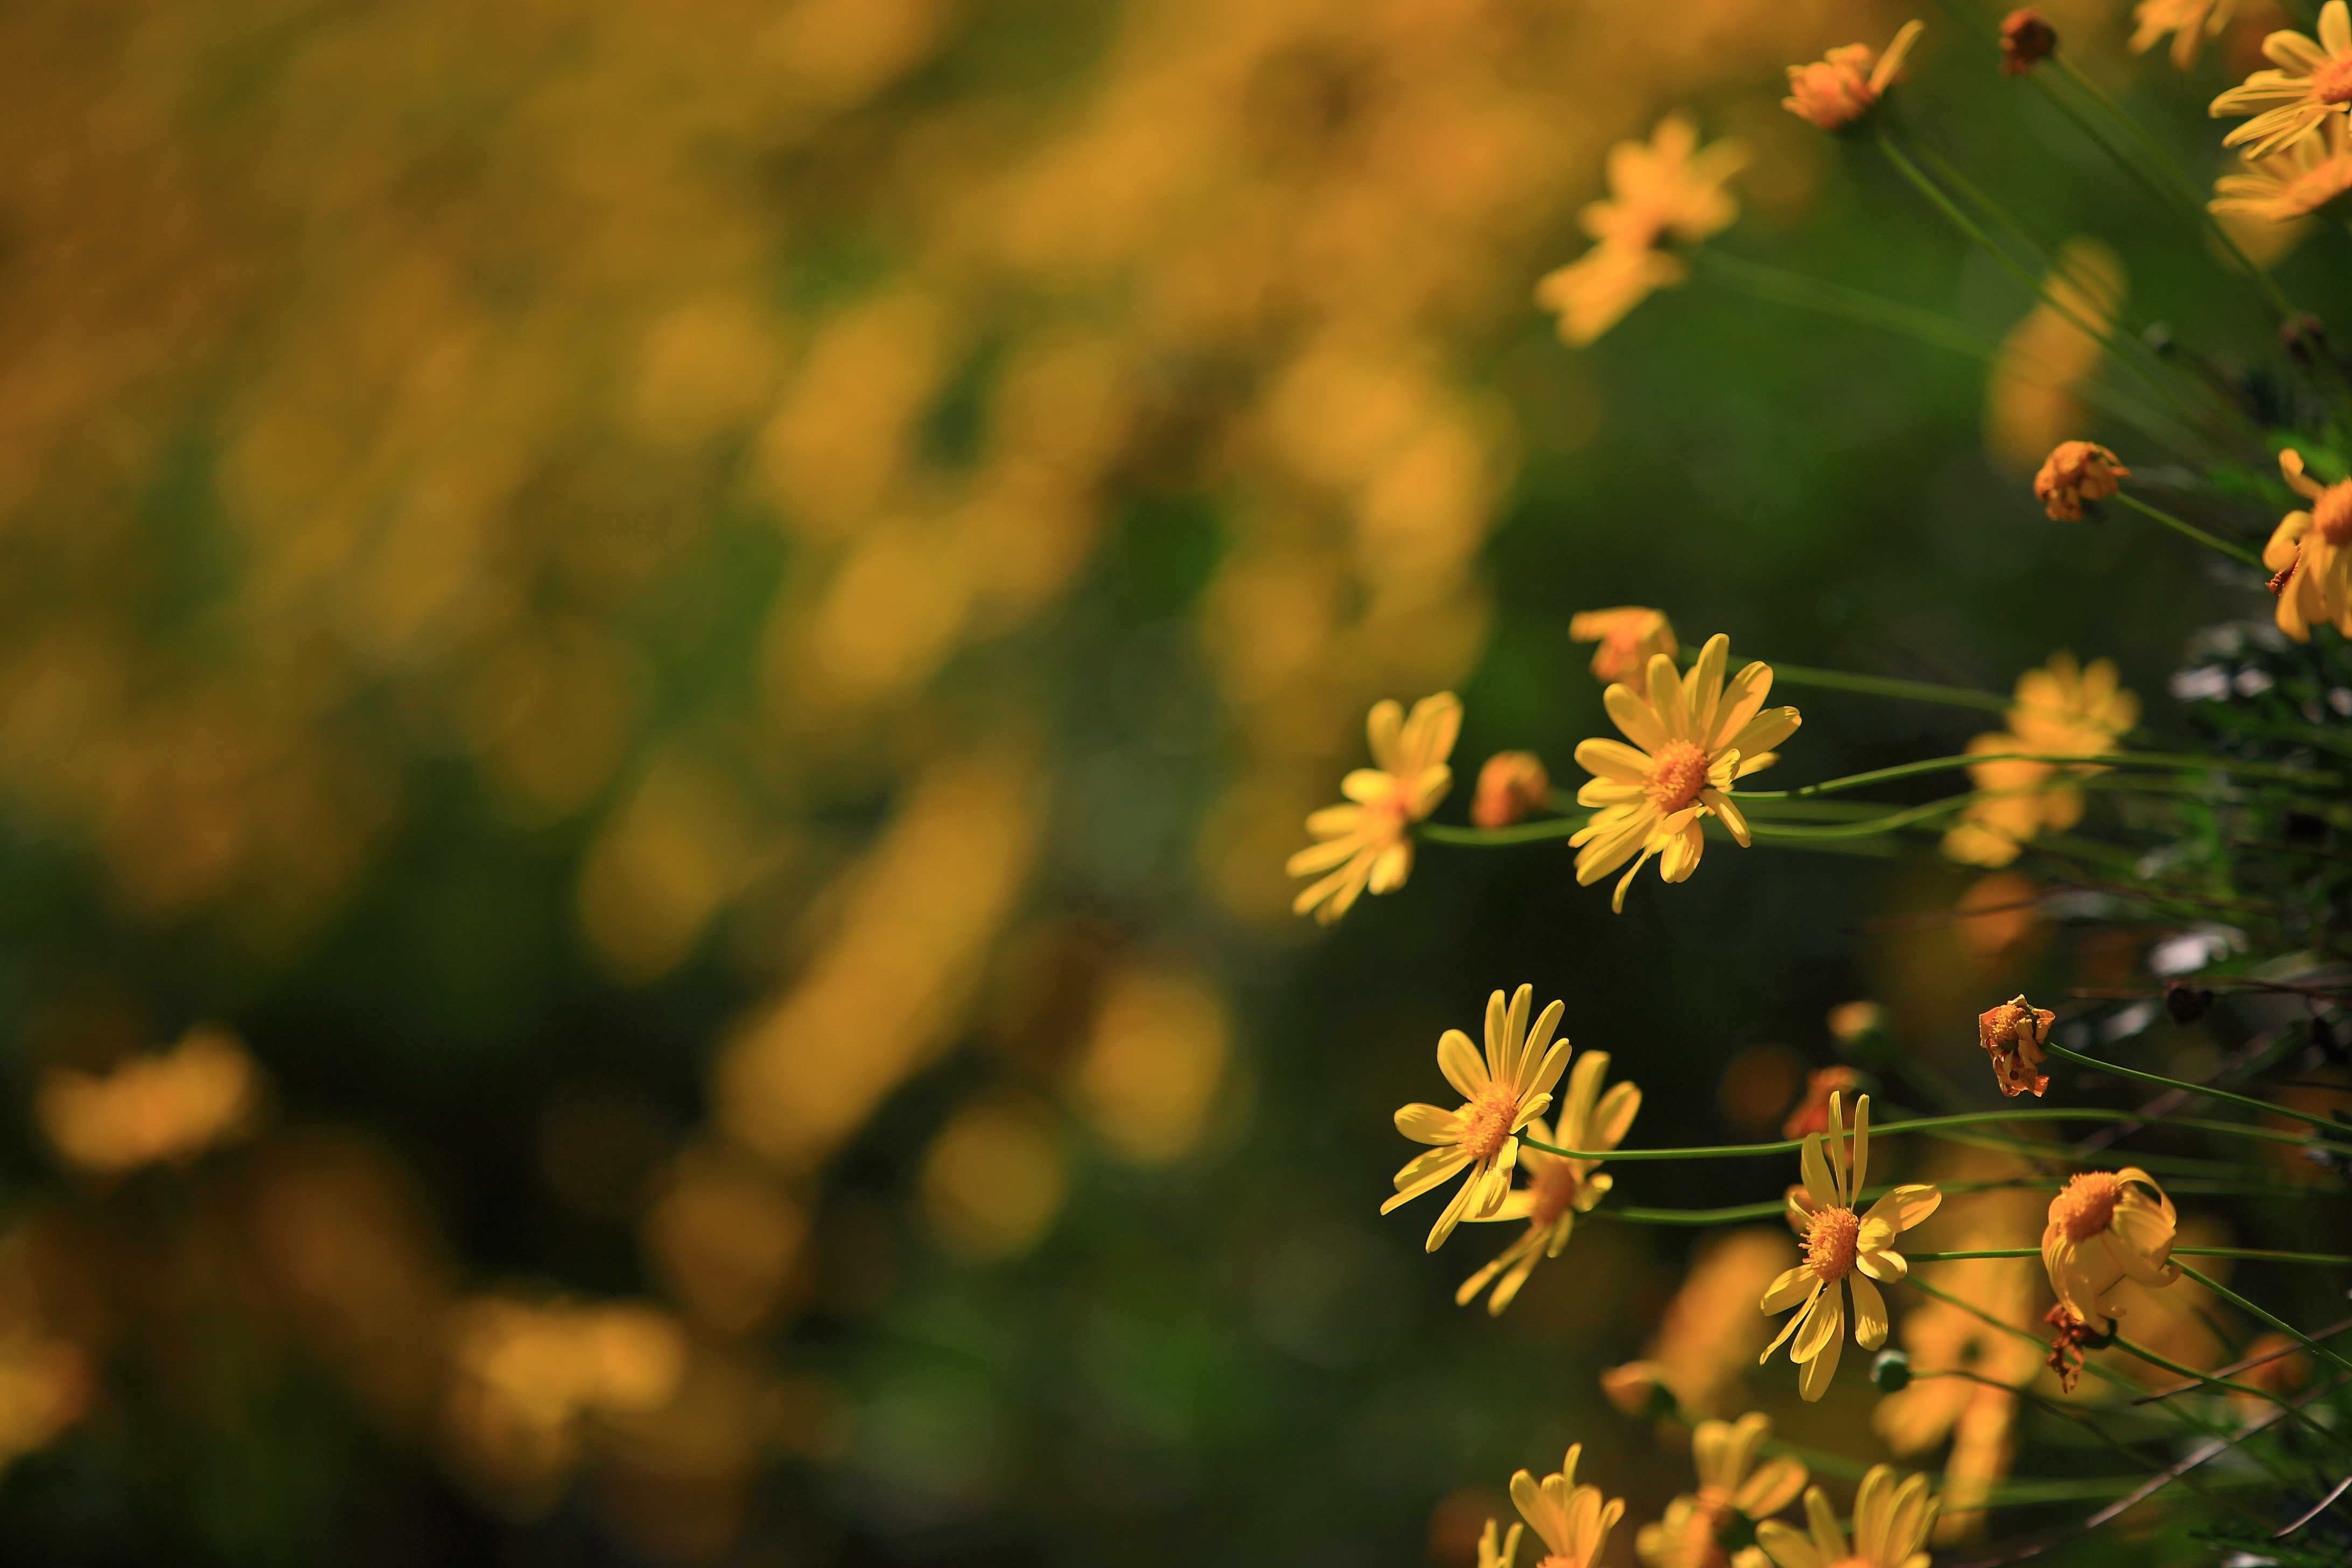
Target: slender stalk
2133 1347
1865 828
2101 760
1500 837
1778 287
2336 1259
2266 1107
1887 686
2237 552
2272 1319
1964 1257
1931 1124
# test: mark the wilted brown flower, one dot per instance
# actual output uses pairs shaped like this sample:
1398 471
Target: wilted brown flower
1510 787
2075 472
2065 1356
2026 38
2013 1034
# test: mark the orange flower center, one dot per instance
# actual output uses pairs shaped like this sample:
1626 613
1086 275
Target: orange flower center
1555 1188
1486 1121
2087 1204
1830 1244
2331 82
1678 773
2331 514
2001 1030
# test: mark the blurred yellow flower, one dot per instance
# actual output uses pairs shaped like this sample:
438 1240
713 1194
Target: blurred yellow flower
2104 1229
1692 736
1557 1189
1491 1555
1730 1482
1843 1250
1628 636
1838 89
2013 1034
2062 709
1502 1093
2313 80
1511 786
1365 840
1596 291
2075 472
2190 23
2311 551
1573 1520
1811 1114
1890 1526
2308 176
1668 189
151 1109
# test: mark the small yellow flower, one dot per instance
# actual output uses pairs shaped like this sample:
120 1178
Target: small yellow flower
2104 1229
2311 551
1573 1520
2075 472
1731 1483
1843 85
1628 636
1557 1189
2190 23
1692 736
1665 191
1890 1526
2063 710
1843 1251
1501 1094
2307 176
2013 1034
1366 842
2313 80
1511 786
1491 1555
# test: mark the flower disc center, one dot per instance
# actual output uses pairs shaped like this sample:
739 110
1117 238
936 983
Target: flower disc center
1486 1121
2088 1203
2331 514
2331 82
1830 1244
1678 773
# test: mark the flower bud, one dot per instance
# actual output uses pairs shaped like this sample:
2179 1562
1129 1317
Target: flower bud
1639 1389
2187 1002
2076 472
1891 1373
2026 40
1511 785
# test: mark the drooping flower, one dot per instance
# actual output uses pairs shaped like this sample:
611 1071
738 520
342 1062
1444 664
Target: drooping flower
1843 85
2190 23
2026 39
2013 1034
1628 636
1366 842
1511 786
1692 737
2313 80
2075 472
1557 1189
1491 1555
2311 551
1665 191
1502 1092
1573 1521
1843 1251
1890 1525
2107 1227
2307 176
2060 710
1733 1490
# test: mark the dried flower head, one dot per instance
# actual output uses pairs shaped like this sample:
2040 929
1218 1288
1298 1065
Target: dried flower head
1365 839
1843 85
1628 636
2107 1227
2066 1347
2312 81
2026 40
2311 551
2013 1034
1511 785
2076 472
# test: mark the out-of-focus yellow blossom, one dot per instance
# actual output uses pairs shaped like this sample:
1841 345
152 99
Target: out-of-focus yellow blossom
2075 472
1668 189
527 1375
1511 786
1573 1521
2308 176
2190 23
1843 1250
1692 736
1494 1555
1557 1189
2062 709
2313 80
2034 398
1849 1022
1501 1094
1731 1483
1366 842
1708 1335
2013 1034
2104 1229
2311 551
1628 638
1890 1525
1843 85
1637 1388
153 1109
1811 1113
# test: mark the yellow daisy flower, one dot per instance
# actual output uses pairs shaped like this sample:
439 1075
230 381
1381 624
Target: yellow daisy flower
1501 1095
1628 636
2190 23
1844 1250
2064 709
1573 1520
1366 840
1731 1483
1693 735
1557 1189
1843 85
1890 1525
1666 190
2104 1229
1491 1555
2313 80
2312 553
2304 177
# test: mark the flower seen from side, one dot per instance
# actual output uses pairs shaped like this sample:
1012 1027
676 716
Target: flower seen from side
2311 551
1495 1555
1844 1251
2309 175
1842 87
2107 1227
2189 23
1667 191
1891 1521
1693 735
1366 841
2013 1034
1557 1189
2076 472
1573 1521
1734 1492
1627 637
2313 81
1511 785
1502 1091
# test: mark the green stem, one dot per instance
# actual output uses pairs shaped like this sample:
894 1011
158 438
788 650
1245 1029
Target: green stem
2237 552
2100 760
2327 1257
1887 686
2275 1321
1932 1123
1964 1257
2133 1347
2208 1091
1865 828
1778 287
1500 837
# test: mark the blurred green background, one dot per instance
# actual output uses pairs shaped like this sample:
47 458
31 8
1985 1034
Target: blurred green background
691 638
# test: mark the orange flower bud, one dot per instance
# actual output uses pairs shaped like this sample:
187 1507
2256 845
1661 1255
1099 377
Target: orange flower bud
2075 472
1510 787
2013 1035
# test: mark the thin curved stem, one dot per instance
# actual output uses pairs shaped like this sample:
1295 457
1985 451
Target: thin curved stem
2265 1315
1931 1124
2237 552
2266 1107
2103 760
2335 1260
1543 832
1889 686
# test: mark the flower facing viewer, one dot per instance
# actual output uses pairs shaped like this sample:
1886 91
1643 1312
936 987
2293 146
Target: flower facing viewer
1557 1189
1692 736
1731 1483
2013 1034
1628 636
1501 1092
1366 840
2312 81
1572 1521
1843 85
1890 1526
2311 551
1664 192
2075 472
2107 1227
1843 1251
